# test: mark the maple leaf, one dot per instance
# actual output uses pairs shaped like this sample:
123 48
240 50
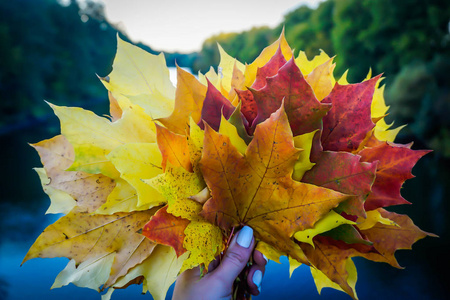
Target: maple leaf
82 236
123 198
69 188
303 164
235 135
138 161
228 67
249 107
257 190
264 57
387 238
167 229
394 167
260 161
307 66
321 79
334 263
304 111
143 78
189 98
270 69
214 105
327 223
94 137
162 260
178 225
332 258
345 173
174 148
349 120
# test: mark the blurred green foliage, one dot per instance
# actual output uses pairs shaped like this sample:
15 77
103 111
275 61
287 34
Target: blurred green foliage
408 41
53 52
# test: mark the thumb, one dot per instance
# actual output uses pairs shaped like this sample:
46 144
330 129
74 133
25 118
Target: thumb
237 256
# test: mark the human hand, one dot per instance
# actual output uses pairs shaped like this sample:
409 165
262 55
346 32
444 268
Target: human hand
218 282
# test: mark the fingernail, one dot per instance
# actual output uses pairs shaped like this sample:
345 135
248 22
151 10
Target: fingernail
265 257
257 279
245 237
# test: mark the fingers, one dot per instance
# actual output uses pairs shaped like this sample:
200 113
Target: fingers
256 273
236 257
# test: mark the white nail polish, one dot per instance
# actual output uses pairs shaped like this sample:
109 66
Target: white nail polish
265 257
257 279
245 237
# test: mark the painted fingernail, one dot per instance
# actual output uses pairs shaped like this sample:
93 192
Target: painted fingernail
257 279
265 257
245 237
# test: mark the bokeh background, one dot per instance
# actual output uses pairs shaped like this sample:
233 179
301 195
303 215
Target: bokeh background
53 50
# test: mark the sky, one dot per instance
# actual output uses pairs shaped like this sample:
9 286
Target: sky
182 25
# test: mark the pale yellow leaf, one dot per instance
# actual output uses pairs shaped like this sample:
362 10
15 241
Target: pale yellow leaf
269 251
303 162
226 68
293 264
322 281
92 159
343 79
212 76
228 129
91 273
387 135
61 202
373 217
138 161
160 270
87 131
306 66
154 105
378 107
328 222
321 79
122 199
143 77
81 126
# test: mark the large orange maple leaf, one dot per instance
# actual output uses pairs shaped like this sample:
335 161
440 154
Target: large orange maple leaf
256 189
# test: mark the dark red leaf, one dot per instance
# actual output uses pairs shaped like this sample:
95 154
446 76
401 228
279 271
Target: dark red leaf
213 106
304 111
349 120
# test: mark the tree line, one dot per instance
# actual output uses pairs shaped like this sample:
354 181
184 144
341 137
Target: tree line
52 51
408 41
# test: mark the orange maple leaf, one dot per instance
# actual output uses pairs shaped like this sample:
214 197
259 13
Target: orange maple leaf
256 189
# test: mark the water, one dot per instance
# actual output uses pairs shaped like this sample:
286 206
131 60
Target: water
22 218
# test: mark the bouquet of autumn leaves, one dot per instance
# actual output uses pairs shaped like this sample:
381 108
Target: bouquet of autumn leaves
161 185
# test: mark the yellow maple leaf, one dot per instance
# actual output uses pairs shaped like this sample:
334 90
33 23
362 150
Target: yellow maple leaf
85 238
143 78
93 137
321 79
306 66
265 56
137 162
162 260
188 102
